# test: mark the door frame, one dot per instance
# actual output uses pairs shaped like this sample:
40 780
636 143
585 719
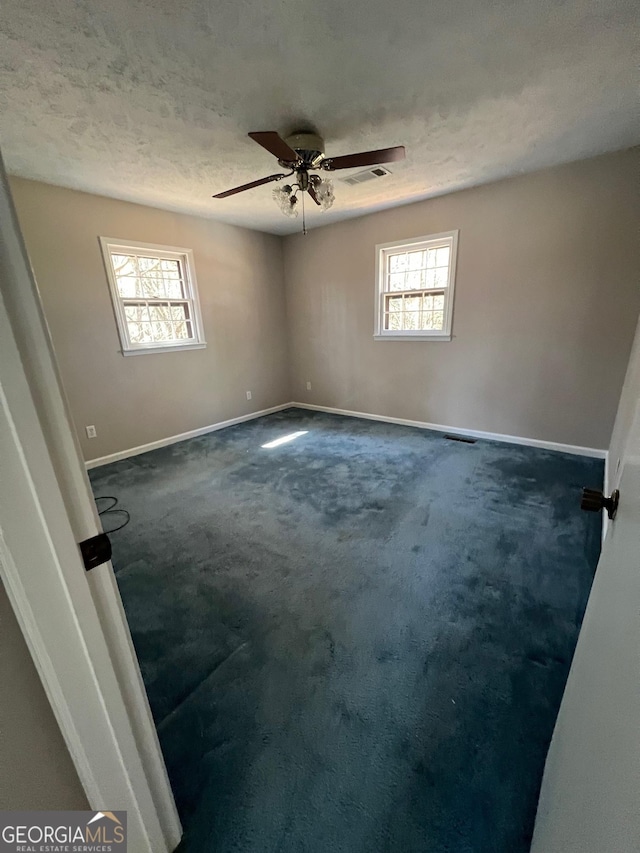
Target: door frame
72 620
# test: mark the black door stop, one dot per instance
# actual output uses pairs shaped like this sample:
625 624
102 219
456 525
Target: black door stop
95 551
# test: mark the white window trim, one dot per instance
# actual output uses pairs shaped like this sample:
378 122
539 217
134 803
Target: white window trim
446 238
108 245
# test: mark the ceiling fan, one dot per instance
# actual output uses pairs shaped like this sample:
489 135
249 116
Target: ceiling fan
303 153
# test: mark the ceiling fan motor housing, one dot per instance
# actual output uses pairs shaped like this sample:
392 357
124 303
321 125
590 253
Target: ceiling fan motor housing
308 146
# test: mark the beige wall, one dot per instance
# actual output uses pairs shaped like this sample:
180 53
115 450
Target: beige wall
36 769
143 398
547 299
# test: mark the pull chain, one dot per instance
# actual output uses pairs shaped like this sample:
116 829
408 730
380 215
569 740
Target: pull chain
304 224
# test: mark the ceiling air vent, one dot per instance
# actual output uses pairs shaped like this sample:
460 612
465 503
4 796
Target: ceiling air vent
367 175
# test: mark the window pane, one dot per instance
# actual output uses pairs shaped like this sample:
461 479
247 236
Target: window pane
416 260
179 312
159 312
438 277
151 288
170 269
126 273
140 333
174 288
415 280
124 264
393 322
433 321
431 258
160 332
135 332
412 303
136 312
394 303
396 281
442 257
121 263
411 320
145 265
433 302
398 263
182 331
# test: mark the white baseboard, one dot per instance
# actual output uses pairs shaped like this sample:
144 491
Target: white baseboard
174 439
594 452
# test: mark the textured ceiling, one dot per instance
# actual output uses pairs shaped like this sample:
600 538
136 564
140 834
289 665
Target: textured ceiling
151 100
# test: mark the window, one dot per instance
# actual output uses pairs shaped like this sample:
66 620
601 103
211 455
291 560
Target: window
154 295
414 288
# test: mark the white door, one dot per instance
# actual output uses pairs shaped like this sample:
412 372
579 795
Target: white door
73 621
590 796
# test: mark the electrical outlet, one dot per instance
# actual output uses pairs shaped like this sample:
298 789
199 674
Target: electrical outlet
248 395
91 431
308 386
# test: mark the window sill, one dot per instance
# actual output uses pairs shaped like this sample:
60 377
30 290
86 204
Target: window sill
401 337
151 350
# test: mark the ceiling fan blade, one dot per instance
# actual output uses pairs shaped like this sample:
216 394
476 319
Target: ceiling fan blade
364 158
275 145
250 186
312 192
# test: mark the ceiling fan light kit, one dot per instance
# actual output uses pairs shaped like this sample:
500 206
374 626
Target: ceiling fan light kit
302 153
286 200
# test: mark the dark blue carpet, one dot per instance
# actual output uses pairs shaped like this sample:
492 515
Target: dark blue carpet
355 642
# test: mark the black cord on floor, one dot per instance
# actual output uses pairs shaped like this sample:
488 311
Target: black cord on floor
110 510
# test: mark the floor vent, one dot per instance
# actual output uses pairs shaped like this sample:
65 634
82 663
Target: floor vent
461 438
367 175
